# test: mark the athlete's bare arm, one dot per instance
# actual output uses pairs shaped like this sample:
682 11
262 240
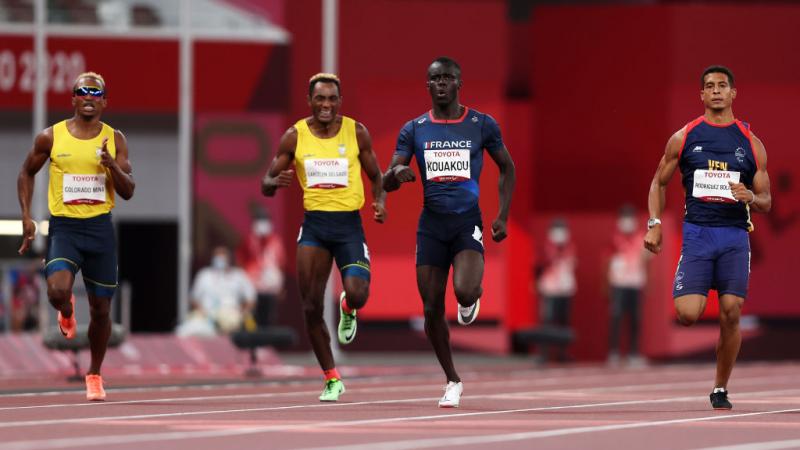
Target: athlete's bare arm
120 166
506 182
369 163
38 155
759 198
398 173
279 175
657 197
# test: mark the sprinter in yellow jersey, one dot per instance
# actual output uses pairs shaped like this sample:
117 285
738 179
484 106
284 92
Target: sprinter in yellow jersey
88 165
329 151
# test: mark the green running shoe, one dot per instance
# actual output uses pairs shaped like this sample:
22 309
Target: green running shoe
347 324
333 389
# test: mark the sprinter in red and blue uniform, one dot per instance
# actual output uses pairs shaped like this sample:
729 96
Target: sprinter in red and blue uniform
448 143
724 171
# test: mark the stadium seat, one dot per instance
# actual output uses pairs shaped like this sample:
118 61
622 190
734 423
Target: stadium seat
272 336
54 340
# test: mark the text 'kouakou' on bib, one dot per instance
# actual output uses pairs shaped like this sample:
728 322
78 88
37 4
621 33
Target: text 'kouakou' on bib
712 185
89 189
447 165
328 173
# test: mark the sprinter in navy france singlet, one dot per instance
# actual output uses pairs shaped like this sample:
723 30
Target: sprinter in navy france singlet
449 156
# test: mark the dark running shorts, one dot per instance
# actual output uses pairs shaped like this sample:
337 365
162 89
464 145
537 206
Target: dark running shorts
341 233
441 236
86 245
713 258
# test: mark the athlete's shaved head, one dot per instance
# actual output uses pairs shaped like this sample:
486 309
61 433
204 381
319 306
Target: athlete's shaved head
447 62
323 78
717 69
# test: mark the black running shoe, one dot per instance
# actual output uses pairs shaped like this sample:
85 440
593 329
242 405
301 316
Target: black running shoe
719 400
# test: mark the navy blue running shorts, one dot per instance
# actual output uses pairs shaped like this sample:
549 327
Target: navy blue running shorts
713 258
342 234
441 236
86 245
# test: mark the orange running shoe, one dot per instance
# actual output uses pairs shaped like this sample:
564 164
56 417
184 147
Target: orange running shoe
69 326
94 388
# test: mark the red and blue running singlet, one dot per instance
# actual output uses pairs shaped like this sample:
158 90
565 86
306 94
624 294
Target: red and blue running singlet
449 155
711 156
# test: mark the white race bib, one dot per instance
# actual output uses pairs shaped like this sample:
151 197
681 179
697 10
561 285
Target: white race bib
712 185
87 189
447 165
329 173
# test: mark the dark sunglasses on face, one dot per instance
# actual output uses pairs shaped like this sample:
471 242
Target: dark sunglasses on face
83 91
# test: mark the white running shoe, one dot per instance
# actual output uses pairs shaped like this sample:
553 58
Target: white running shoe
468 314
452 395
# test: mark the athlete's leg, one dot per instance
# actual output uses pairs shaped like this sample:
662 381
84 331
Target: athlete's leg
467 276
99 330
690 308
356 291
313 268
59 291
432 282
730 337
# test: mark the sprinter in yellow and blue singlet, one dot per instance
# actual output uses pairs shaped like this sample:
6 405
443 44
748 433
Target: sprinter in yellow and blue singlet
329 151
88 166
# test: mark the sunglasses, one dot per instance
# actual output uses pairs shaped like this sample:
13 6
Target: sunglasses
83 91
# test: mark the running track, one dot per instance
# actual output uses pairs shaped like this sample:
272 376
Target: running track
503 407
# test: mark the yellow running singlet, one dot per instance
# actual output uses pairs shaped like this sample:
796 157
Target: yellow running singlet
329 170
80 187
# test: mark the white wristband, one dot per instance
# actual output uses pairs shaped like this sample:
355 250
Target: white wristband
754 197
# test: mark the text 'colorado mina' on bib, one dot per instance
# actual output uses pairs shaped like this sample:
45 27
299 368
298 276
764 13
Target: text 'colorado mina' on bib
447 165
84 189
328 173
712 185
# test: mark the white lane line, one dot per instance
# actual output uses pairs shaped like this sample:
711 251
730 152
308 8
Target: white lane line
510 437
772 445
180 435
556 373
552 380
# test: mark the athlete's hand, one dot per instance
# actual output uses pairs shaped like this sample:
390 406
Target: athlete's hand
380 212
741 193
28 233
284 178
652 240
105 157
404 174
499 230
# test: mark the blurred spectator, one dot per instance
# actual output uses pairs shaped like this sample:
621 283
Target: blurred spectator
25 296
263 257
555 275
627 276
144 16
222 299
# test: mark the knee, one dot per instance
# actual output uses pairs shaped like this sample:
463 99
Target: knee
433 312
357 298
58 294
100 309
729 320
312 312
467 295
687 319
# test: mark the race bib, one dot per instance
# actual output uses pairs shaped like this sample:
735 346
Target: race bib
326 173
447 166
84 189
712 185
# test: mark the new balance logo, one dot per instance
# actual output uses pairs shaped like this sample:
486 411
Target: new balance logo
697 149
